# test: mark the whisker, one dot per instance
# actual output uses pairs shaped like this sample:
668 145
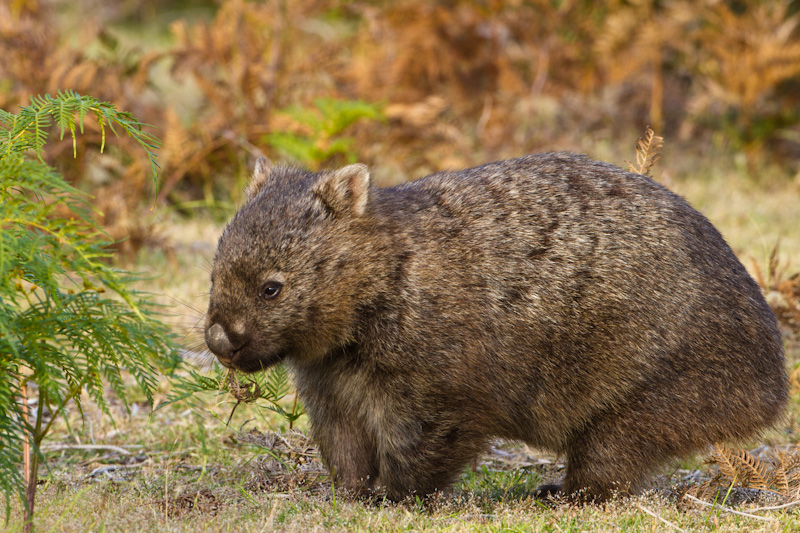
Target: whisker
204 359
187 304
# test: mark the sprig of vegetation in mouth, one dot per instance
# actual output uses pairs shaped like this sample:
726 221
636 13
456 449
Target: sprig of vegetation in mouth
266 389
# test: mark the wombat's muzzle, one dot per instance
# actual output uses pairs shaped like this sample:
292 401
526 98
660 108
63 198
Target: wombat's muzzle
219 343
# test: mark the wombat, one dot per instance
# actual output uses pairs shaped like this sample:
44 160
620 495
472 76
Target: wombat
549 299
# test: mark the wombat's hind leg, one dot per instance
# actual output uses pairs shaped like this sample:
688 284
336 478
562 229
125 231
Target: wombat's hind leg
600 468
615 455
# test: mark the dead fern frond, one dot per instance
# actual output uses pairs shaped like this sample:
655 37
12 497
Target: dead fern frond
778 473
243 392
648 152
178 145
781 289
726 466
737 464
790 473
752 52
780 479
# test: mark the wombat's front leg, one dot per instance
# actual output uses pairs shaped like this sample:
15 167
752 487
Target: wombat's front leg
349 455
414 463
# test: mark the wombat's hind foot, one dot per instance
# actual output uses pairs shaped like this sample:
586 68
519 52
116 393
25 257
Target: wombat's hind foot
555 493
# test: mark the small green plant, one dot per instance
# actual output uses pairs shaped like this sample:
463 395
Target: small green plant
267 388
494 487
69 321
320 133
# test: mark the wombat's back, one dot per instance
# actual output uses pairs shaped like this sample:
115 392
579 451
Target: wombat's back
568 291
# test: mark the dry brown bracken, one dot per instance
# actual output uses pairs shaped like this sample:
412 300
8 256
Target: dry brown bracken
551 299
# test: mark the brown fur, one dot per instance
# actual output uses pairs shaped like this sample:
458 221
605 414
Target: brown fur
550 299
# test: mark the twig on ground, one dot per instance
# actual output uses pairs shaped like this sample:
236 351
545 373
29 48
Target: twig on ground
111 468
729 510
776 507
59 447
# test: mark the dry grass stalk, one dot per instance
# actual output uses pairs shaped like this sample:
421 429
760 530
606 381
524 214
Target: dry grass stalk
728 509
658 517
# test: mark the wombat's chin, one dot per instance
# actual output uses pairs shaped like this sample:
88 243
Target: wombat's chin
249 363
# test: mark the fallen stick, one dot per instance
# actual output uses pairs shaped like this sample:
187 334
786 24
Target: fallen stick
59 447
729 510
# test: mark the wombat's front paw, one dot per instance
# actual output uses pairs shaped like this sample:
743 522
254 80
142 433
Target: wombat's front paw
548 491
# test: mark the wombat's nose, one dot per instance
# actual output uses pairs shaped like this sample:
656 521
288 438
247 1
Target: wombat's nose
218 342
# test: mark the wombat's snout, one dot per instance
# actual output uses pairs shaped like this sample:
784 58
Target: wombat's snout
220 344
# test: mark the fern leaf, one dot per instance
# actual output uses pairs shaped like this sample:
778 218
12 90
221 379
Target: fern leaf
20 133
72 343
185 387
277 384
84 106
41 122
6 118
64 111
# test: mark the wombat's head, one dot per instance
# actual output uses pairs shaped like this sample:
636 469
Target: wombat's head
286 275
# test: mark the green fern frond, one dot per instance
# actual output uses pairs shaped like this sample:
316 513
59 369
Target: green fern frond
276 386
323 125
28 129
64 336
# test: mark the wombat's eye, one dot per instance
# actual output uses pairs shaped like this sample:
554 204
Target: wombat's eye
271 289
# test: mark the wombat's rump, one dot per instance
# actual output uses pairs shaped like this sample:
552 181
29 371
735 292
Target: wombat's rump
551 299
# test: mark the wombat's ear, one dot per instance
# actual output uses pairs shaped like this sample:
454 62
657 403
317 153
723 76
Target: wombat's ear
260 176
345 190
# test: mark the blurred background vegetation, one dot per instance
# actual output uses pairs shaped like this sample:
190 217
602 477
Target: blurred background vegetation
408 87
